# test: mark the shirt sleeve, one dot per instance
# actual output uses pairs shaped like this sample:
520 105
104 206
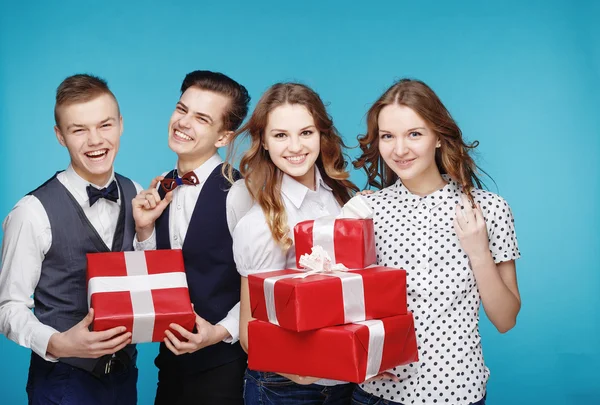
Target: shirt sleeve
27 239
148 244
254 249
232 323
501 230
239 202
138 188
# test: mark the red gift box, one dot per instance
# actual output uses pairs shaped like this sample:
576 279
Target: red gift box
350 242
298 303
352 353
143 291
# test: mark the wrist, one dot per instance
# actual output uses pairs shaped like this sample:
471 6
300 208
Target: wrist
481 258
143 233
219 333
55 345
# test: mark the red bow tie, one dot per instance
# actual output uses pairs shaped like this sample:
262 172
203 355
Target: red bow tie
170 184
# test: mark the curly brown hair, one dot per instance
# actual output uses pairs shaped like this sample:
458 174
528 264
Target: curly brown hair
451 158
263 178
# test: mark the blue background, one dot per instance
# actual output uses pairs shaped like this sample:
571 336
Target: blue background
521 77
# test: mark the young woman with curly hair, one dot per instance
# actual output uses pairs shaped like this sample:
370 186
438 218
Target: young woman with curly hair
294 170
456 241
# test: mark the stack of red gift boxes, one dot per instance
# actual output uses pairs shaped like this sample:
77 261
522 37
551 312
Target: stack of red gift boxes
341 325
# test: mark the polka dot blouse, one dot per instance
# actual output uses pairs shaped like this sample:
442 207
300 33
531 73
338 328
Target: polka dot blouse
416 234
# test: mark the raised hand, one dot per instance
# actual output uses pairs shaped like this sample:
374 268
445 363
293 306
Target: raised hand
470 227
147 207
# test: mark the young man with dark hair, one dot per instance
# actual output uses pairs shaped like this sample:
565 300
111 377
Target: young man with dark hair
195 209
84 209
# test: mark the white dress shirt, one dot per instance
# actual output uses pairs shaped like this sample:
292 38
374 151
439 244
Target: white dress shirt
27 239
180 213
255 250
417 234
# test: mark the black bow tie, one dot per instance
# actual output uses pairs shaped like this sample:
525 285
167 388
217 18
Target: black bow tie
110 193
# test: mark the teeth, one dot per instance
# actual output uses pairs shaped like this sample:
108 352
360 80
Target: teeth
182 135
96 153
296 159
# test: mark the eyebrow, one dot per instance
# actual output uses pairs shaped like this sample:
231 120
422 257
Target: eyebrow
104 121
408 130
415 128
284 130
197 114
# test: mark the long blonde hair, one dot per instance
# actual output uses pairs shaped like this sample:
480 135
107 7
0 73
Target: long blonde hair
263 178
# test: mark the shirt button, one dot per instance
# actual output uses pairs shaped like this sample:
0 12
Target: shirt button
179 207
176 237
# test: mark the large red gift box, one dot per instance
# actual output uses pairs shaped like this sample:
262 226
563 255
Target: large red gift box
298 303
353 352
350 242
143 291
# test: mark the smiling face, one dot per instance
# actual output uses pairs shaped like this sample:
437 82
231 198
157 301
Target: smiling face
196 125
91 132
407 144
293 142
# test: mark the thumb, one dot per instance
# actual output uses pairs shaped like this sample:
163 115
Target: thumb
89 318
165 201
155 181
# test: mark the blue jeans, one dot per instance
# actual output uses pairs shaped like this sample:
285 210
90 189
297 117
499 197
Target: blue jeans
271 389
61 384
361 397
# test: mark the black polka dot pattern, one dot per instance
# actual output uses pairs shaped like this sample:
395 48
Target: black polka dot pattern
417 234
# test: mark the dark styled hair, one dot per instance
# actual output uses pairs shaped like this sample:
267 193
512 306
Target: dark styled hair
226 86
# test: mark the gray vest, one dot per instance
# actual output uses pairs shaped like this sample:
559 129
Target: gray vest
61 293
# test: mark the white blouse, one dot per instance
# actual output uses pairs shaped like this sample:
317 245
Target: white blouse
417 234
255 250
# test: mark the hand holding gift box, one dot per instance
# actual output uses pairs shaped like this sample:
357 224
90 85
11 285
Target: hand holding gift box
143 291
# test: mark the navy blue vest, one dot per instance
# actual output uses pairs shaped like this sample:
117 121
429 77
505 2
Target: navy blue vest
61 294
213 280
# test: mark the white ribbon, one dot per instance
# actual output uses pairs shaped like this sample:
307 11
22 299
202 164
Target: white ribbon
139 284
269 285
375 349
319 263
323 231
356 208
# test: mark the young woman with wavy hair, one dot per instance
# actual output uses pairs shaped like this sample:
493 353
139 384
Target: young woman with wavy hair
456 241
294 170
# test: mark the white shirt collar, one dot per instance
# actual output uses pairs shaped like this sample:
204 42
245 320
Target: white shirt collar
78 184
450 190
206 168
296 192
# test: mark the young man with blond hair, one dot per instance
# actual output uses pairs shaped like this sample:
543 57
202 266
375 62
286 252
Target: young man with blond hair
83 209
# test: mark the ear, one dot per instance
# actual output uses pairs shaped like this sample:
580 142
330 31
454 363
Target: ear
59 136
224 139
121 125
439 143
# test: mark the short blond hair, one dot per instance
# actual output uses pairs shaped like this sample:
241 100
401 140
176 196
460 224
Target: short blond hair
80 88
